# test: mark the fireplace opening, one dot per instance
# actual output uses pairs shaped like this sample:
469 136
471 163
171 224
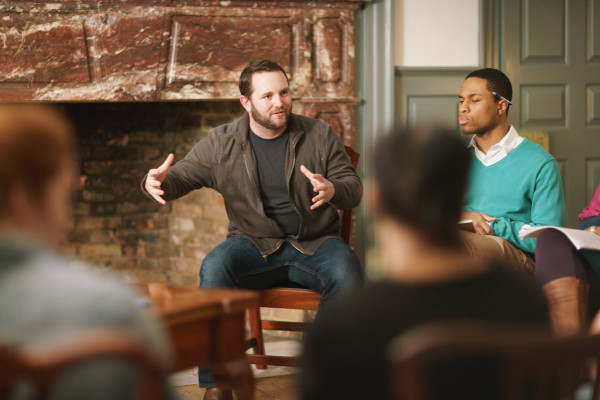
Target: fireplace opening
115 225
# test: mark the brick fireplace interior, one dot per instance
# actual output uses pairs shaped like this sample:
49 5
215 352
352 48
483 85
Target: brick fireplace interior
115 225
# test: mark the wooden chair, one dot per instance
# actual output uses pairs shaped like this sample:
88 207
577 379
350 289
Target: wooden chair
42 365
519 363
540 137
295 298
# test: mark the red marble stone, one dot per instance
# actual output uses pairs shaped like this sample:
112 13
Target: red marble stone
339 113
216 49
124 41
38 49
141 50
328 42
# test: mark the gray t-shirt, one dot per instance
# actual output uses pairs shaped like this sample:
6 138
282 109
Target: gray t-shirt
270 158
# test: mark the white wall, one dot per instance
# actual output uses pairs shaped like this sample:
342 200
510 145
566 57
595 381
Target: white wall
437 33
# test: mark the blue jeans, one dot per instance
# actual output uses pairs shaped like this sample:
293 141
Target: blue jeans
237 263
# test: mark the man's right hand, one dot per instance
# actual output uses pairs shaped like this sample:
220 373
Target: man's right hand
155 178
481 222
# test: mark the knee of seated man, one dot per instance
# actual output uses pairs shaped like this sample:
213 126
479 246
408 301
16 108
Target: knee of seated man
213 272
345 273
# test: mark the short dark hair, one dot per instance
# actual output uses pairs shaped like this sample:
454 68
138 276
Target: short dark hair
422 174
497 81
245 84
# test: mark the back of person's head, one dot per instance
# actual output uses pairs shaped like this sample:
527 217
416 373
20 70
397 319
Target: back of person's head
422 176
497 81
36 148
253 67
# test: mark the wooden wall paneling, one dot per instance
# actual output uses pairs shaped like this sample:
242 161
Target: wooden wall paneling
544 105
544 29
550 52
439 110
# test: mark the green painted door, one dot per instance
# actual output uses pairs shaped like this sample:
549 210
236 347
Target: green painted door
551 51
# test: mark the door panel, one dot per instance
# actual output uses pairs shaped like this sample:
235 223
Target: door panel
593 31
540 44
551 52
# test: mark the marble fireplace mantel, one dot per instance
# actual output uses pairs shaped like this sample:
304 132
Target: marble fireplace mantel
163 50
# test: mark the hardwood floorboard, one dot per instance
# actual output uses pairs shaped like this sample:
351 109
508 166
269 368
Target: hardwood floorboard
283 387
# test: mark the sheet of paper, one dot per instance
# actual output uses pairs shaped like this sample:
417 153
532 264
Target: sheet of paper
580 239
466 224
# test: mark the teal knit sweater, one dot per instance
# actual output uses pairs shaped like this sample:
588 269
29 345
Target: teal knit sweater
523 188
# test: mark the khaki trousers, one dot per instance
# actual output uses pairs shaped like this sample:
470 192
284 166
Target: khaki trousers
495 248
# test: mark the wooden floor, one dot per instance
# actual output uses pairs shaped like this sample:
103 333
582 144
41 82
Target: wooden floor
284 387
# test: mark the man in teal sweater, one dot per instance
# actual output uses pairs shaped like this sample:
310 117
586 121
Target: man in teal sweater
513 182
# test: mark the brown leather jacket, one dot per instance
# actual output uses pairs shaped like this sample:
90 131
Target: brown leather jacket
225 162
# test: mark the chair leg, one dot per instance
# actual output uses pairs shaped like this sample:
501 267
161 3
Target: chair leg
257 333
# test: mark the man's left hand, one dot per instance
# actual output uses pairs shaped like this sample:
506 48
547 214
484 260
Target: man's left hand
325 188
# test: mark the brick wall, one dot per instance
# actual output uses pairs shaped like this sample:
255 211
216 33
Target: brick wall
115 225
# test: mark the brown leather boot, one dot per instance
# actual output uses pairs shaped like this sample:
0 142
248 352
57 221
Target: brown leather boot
568 300
218 394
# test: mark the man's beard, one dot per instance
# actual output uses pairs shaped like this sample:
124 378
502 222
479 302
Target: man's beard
266 122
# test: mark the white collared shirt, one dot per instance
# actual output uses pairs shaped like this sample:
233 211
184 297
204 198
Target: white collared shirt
500 150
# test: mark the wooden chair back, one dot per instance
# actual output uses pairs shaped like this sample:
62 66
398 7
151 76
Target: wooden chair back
42 365
291 298
520 363
347 218
540 137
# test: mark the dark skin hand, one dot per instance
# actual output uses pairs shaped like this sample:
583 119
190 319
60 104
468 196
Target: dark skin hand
480 222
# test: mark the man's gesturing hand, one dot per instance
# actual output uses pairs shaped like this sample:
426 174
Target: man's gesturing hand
321 185
155 178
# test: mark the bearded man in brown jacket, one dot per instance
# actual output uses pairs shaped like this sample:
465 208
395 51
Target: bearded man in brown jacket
283 178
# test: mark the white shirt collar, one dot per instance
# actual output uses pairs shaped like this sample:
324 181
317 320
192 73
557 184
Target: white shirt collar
500 150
